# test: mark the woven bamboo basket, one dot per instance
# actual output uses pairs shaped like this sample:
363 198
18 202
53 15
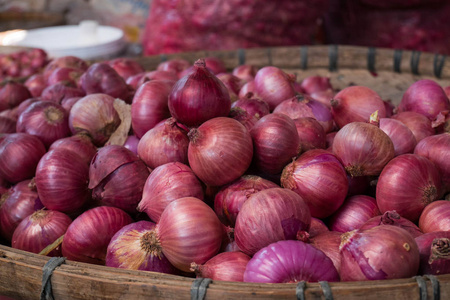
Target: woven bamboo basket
25 275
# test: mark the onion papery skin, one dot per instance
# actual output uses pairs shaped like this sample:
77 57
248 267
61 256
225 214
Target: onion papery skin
39 230
12 94
165 184
61 91
317 227
164 143
363 148
247 88
220 151
324 97
79 144
329 242
382 252
320 179
20 201
310 133
198 97
274 86
437 149
95 116
425 97
62 181
313 84
243 117
64 74
275 142
36 84
419 125
68 103
245 72
215 65
150 106
47 120
394 219
65 61
302 106
269 216
189 231
290 261
19 155
175 65
434 248
356 104
403 139
229 200
170 77
7 125
407 184
435 217
88 236
130 248
355 211
253 106
24 105
226 266
126 67
232 83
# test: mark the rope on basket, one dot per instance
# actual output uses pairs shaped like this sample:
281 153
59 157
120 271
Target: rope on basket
47 271
438 65
198 288
436 286
415 58
326 290
371 55
333 57
422 287
300 290
304 57
397 60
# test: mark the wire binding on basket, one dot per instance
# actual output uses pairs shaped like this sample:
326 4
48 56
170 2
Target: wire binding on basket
269 56
163 57
371 56
438 65
300 290
435 285
326 289
199 287
422 287
241 56
333 57
415 58
397 60
304 57
47 271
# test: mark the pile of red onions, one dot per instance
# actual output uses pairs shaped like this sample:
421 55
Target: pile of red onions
434 248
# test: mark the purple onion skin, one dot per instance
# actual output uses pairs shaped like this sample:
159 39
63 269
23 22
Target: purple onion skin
290 261
394 219
434 248
401 136
317 227
226 266
382 252
129 249
131 143
80 144
419 125
254 106
328 242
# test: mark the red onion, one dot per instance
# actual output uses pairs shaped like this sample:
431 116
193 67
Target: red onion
62 180
36 84
164 143
157 75
269 216
65 61
434 248
126 67
12 94
198 97
150 106
67 75
46 120
329 242
317 227
407 184
131 143
419 125
274 85
18 202
39 230
229 200
313 84
175 65
232 83
355 211
243 117
245 72
215 65
165 184
290 261
25 104
356 104
95 116
435 217
425 97
311 134
220 151
68 103
253 106
79 144
130 248
402 138
363 148
88 236
301 106
390 108
102 78
275 141
7 125
329 137
61 91
226 266
135 81
436 148
382 252
442 122
247 88
394 219
324 97
320 179
19 155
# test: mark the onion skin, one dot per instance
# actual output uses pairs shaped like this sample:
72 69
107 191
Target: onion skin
329 242
269 216
434 253
61 91
290 261
317 227
12 94
126 67
7 125
198 97
320 179
189 231
253 106
131 143
311 134
314 84
65 61
64 74
407 184
170 77
382 252
79 144
245 72
220 151
243 117
129 249
175 65
36 84
19 155
229 200
435 217
403 139
363 148
394 219
355 211
232 83
419 125
88 236
226 266
40 230
165 184
215 64
247 88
